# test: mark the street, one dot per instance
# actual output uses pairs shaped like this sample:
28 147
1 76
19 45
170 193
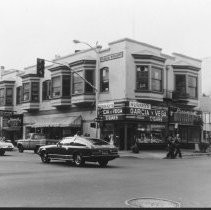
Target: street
27 182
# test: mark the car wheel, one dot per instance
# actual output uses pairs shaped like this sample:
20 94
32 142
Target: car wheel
103 163
20 148
45 158
78 160
2 152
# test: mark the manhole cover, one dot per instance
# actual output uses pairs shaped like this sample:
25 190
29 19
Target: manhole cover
152 203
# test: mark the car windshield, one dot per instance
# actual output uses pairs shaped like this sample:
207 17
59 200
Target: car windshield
67 140
97 141
38 136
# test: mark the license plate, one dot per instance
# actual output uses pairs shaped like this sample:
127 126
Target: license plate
104 152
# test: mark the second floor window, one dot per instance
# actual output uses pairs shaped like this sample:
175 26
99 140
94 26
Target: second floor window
192 86
89 76
156 79
46 90
1 96
78 83
180 84
18 95
35 91
104 79
66 85
26 91
9 97
142 78
56 87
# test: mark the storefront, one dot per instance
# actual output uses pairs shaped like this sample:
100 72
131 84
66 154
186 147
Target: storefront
12 126
54 127
134 121
148 124
188 124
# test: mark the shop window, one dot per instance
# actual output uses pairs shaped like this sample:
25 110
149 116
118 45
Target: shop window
56 87
156 79
104 79
1 96
89 76
78 83
46 90
142 77
180 84
9 97
18 95
66 85
26 92
192 86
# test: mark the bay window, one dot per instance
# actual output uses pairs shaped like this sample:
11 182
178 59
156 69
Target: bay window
56 87
1 96
192 86
148 78
156 79
9 97
142 77
78 83
26 91
46 90
18 95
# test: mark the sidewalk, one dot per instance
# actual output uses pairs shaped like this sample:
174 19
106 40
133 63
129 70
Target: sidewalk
161 154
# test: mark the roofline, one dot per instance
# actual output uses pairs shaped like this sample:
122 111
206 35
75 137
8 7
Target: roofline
167 56
185 56
134 41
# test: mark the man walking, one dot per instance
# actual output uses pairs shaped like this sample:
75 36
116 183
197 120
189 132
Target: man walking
177 146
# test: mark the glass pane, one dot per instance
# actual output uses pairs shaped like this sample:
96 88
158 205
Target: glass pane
180 81
142 77
156 85
192 92
35 92
78 88
89 76
56 82
192 81
156 73
66 85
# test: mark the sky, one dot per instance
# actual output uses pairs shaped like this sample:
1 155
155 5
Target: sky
45 28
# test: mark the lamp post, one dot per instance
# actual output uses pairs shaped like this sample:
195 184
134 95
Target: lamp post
97 49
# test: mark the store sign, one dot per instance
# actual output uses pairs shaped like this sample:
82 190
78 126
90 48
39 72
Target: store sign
135 104
186 117
149 114
114 117
4 113
113 111
111 57
108 105
13 121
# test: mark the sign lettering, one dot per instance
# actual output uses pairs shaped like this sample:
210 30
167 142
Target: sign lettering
111 57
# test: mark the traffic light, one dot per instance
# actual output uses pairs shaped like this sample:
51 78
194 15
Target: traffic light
40 67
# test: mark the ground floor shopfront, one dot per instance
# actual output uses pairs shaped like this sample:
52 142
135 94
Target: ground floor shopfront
149 124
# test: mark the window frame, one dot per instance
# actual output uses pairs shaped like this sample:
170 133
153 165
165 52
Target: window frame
81 81
2 96
8 98
154 79
26 92
195 87
18 95
46 90
57 87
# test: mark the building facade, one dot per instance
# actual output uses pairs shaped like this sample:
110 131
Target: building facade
144 95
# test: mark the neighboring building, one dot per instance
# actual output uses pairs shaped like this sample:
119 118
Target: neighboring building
205 107
144 94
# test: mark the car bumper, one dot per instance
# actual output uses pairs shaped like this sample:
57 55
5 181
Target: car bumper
7 149
100 157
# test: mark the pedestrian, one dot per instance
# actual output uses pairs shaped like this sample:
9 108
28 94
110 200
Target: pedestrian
106 138
171 147
177 146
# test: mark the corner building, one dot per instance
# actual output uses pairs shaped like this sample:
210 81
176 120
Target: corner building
144 95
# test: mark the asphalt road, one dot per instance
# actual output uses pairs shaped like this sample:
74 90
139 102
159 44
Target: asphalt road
26 182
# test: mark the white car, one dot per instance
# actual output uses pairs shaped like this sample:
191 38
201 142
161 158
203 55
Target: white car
5 146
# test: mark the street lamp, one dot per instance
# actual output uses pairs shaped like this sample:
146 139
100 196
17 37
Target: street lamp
97 49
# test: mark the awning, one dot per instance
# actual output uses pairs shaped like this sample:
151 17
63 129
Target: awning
58 122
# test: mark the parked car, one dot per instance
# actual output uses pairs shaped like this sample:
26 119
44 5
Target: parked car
79 149
5 146
33 142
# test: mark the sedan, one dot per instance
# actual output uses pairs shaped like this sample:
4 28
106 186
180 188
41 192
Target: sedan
5 146
79 149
